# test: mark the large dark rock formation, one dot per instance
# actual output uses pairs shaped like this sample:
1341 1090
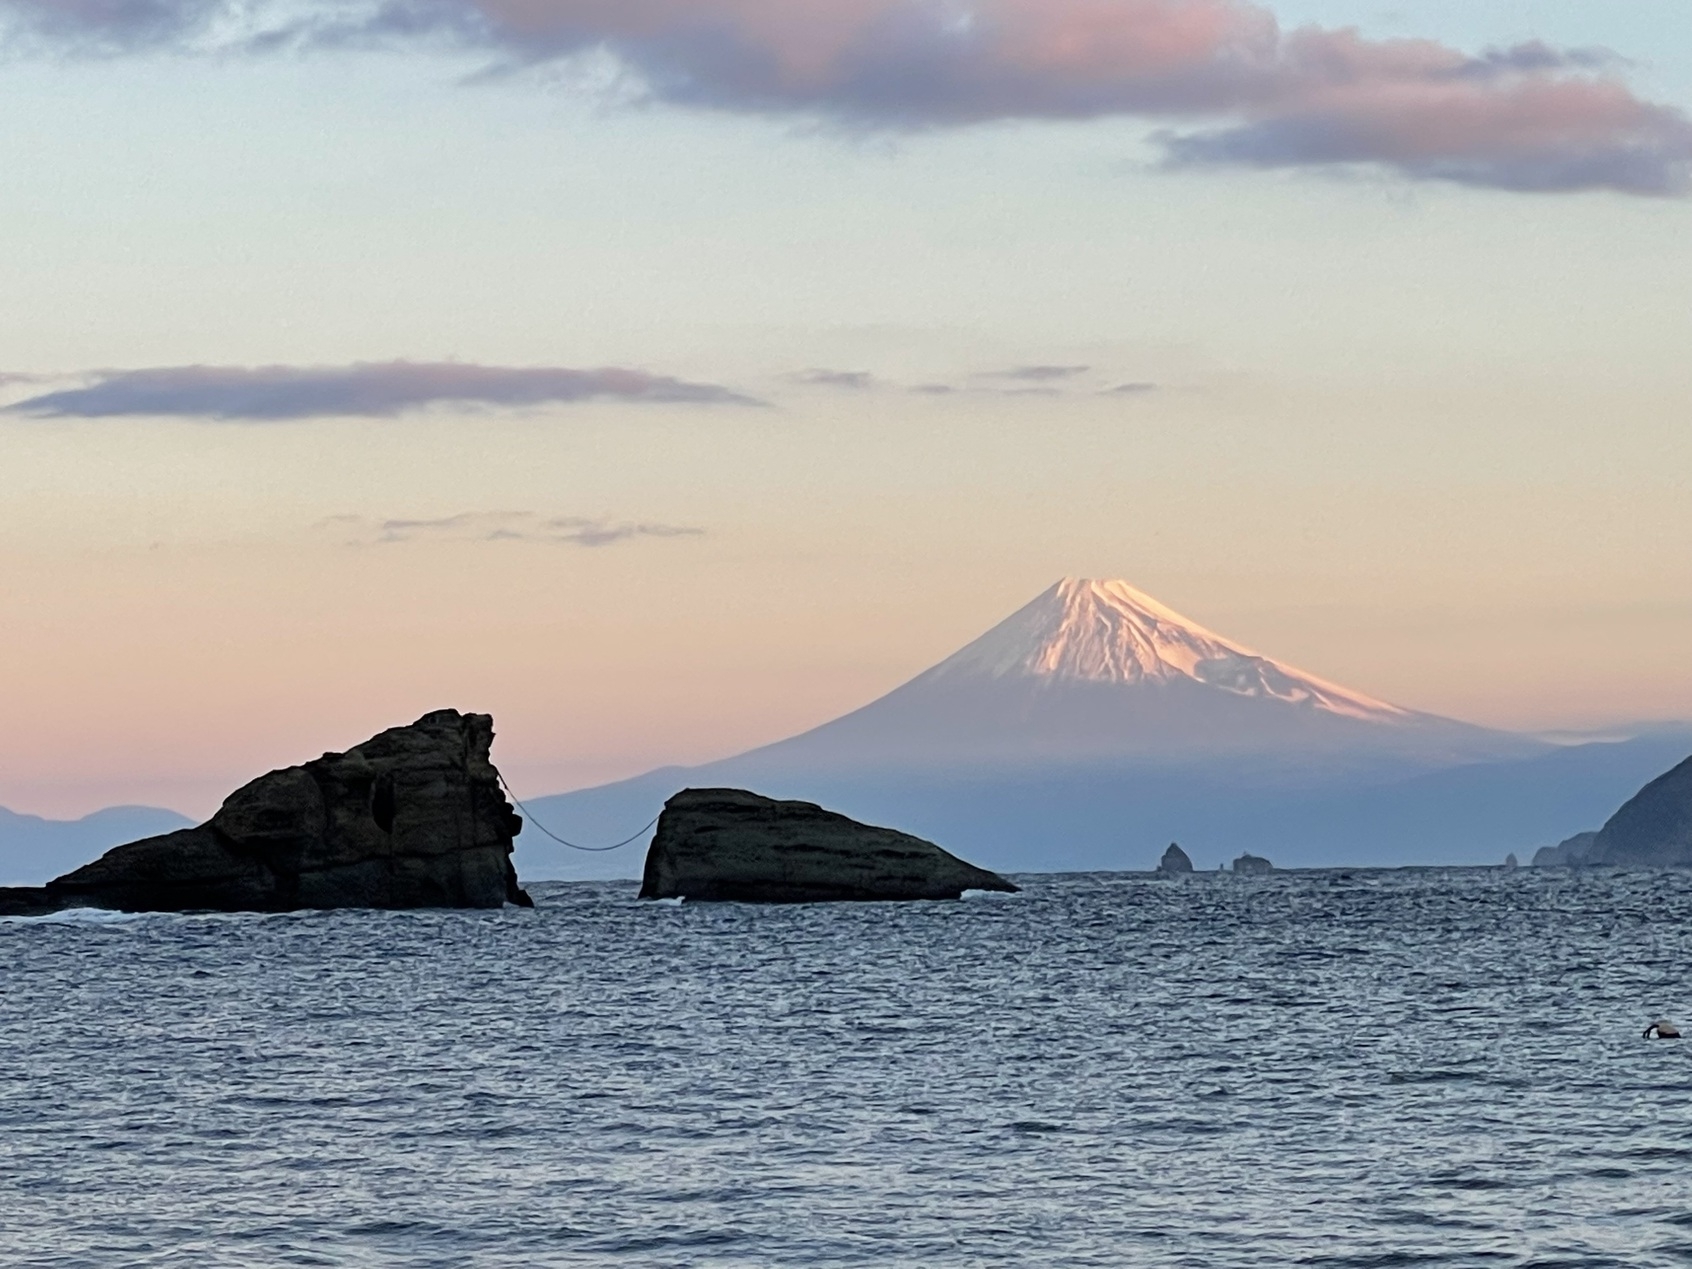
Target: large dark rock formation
1174 861
1653 829
1250 865
412 818
728 844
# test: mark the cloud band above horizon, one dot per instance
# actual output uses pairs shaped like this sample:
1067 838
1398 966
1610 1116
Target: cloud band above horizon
1242 90
368 389
503 526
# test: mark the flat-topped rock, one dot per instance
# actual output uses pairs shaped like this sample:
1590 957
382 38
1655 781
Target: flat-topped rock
1252 865
412 818
731 845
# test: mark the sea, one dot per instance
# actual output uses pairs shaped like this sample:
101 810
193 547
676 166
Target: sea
1327 1068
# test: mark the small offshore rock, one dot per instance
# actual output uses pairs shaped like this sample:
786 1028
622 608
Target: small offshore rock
1250 865
412 818
1174 861
733 845
1510 861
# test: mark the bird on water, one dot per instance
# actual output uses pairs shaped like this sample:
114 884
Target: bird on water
1662 1029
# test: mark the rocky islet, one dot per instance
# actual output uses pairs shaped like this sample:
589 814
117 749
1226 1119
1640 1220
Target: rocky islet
731 844
412 818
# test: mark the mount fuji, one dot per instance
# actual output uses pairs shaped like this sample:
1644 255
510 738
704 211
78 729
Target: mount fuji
1095 724
1096 671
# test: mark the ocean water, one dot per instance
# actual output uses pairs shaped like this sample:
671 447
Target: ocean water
1339 1069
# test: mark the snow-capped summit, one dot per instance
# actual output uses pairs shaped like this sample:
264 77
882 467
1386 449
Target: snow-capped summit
1097 672
1090 631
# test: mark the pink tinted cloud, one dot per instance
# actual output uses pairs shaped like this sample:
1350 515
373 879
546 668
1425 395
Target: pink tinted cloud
1242 90
1527 118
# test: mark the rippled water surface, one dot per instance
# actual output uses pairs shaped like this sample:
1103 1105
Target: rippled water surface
1370 1069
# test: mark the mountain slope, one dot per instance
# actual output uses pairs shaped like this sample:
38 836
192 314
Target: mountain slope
35 850
1098 671
1653 829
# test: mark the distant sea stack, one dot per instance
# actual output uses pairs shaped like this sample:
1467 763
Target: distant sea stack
1653 829
412 818
1250 865
1174 861
732 845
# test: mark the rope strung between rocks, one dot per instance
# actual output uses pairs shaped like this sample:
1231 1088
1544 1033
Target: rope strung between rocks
592 850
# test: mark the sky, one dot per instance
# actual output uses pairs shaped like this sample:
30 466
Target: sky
668 376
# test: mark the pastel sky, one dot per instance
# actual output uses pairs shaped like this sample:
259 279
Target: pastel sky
667 376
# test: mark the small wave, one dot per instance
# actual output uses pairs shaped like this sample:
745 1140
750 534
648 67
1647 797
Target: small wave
1659 1152
1474 1183
379 1229
1392 1259
1434 1076
83 916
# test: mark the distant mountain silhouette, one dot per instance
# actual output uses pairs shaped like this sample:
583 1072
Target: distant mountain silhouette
1094 725
34 850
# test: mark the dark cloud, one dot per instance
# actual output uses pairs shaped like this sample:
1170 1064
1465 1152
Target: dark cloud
853 380
1129 390
1037 374
502 526
373 389
1534 56
1245 91
1621 145
113 26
